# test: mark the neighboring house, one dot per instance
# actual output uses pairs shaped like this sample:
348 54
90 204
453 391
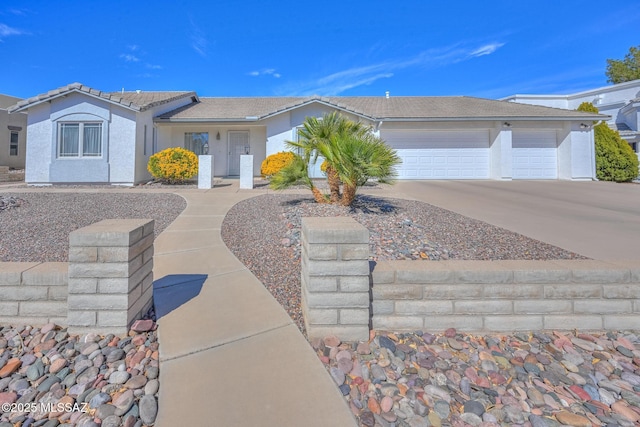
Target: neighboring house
621 102
13 134
76 134
436 137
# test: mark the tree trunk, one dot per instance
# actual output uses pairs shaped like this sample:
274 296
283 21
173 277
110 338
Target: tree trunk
348 195
334 185
318 196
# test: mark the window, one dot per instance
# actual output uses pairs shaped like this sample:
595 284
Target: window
80 140
198 142
13 144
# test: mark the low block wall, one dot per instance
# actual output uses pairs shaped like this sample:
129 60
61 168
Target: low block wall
33 293
471 296
335 278
4 173
105 286
505 296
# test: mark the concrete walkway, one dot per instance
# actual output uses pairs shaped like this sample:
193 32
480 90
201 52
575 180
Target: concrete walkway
231 356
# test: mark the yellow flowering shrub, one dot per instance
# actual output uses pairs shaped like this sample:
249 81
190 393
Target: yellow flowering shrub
273 163
173 165
323 166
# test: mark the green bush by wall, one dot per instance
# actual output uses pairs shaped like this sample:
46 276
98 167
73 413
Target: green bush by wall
615 159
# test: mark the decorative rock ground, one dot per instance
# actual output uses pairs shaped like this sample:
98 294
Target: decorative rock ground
452 379
48 377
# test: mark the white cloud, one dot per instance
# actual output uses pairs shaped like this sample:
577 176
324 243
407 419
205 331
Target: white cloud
486 49
265 72
129 57
199 41
154 67
340 81
6 31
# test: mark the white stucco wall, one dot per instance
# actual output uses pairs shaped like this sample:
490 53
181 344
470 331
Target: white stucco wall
39 139
122 156
500 152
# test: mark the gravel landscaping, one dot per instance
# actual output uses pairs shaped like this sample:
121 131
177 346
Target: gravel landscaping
36 225
264 233
444 378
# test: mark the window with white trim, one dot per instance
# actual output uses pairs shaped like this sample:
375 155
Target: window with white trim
80 139
13 144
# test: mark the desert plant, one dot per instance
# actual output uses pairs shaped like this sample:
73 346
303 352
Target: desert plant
352 155
615 159
296 173
273 163
316 132
173 165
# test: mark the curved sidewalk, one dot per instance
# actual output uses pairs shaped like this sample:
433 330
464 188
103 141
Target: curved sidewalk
231 356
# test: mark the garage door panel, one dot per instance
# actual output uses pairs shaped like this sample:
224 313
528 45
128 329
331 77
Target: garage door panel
535 154
440 155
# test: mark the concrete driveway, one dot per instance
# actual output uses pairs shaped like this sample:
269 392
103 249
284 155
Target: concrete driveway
599 220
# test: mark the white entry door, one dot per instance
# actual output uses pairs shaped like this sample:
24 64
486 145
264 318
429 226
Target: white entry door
238 145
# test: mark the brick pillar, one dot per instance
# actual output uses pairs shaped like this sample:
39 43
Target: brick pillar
110 275
335 278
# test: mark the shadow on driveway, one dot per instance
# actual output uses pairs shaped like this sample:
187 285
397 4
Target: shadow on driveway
170 292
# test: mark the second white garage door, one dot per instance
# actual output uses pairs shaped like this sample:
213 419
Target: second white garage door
440 154
535 155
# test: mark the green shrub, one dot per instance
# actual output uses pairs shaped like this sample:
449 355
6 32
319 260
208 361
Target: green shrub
275 162
615 159
173 165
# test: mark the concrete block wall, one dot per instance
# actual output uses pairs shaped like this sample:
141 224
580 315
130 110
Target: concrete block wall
471 296
335 278
502 296
4 173
110 275
33 293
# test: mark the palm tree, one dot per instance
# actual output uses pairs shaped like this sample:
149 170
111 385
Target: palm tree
357 158
353 155
296 172
316 133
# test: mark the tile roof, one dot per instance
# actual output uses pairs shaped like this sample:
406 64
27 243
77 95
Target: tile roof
373 108
7 101
137 101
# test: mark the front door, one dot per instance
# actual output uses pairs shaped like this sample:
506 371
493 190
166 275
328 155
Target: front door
238 145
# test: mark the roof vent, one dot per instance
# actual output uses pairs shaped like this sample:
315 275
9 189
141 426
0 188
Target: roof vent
386 94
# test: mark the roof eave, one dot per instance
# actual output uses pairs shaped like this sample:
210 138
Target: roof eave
494 118
130 106
320 101
204 120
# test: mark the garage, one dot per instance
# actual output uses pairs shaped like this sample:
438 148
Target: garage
535 154
440 154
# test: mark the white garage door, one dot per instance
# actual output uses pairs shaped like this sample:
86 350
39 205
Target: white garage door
535 155
441 154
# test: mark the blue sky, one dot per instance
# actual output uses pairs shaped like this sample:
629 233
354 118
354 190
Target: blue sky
486 48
